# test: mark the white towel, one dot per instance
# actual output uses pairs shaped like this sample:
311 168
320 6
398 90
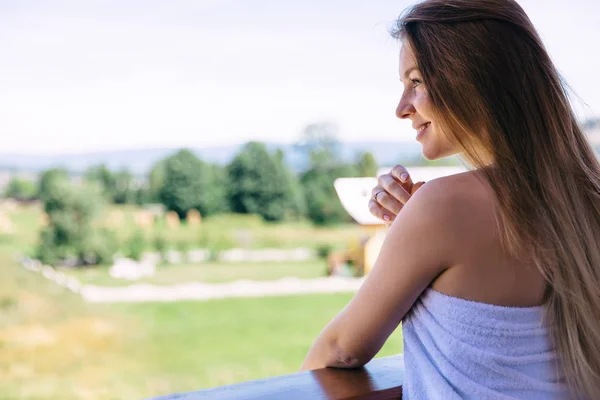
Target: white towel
460 349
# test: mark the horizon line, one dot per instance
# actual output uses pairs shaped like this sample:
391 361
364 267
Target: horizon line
176 147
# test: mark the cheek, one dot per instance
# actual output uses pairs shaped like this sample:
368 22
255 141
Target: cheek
422 104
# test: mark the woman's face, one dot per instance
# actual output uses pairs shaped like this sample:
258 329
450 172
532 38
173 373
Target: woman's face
415 105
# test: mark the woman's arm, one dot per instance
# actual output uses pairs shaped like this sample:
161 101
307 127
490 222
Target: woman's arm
420 244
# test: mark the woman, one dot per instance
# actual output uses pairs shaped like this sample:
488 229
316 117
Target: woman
495 273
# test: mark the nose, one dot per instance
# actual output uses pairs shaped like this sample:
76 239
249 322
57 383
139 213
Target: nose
405 107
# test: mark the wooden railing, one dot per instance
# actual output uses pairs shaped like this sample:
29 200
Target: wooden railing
380 379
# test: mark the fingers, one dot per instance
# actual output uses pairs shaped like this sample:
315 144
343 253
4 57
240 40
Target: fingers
395 189
383 204
401 174
377 189
389 203
378 211
392 192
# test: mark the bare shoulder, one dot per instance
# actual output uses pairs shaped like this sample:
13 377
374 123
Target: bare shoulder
459 211
465 184
448 214
456 197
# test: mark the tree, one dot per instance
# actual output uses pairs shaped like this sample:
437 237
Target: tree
189 183
156 180
323 204
118 187
143 195
296 202
217 200
21 189
366 165
259 183
124 191
48 179
324 165
103 177
70 233
50 187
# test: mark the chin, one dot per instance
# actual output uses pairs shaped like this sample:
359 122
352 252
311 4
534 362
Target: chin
436 150
430 154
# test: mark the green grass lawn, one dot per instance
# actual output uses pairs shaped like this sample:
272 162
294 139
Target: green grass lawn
55 346
206 272
226 341
246 231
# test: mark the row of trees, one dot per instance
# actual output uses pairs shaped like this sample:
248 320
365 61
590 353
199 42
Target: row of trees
256 181
119 187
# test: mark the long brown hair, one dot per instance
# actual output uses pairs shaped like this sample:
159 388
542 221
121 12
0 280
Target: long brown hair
498 96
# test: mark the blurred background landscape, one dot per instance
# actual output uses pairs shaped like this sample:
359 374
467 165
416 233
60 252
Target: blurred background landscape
167 176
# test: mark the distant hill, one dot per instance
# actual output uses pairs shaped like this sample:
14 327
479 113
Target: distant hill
592 129
139 161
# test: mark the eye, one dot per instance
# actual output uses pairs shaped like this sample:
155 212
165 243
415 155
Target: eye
416 82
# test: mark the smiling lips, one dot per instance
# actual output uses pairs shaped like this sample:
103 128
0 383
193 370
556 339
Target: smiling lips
422 128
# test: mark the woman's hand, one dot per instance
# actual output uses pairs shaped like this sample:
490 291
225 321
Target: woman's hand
391 193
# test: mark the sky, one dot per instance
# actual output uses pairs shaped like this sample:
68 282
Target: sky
97 75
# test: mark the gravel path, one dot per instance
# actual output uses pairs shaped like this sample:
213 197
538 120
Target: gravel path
143 292
140 292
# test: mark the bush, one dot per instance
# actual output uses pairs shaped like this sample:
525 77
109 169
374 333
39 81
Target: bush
249 221
213 255
70 232
323 250
135 246
183 246
48 251
161 245
215 240
99 248
21 189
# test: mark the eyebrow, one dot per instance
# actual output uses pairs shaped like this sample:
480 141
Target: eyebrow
408 71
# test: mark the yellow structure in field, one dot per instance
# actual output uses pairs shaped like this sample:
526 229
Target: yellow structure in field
355 193
371 249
